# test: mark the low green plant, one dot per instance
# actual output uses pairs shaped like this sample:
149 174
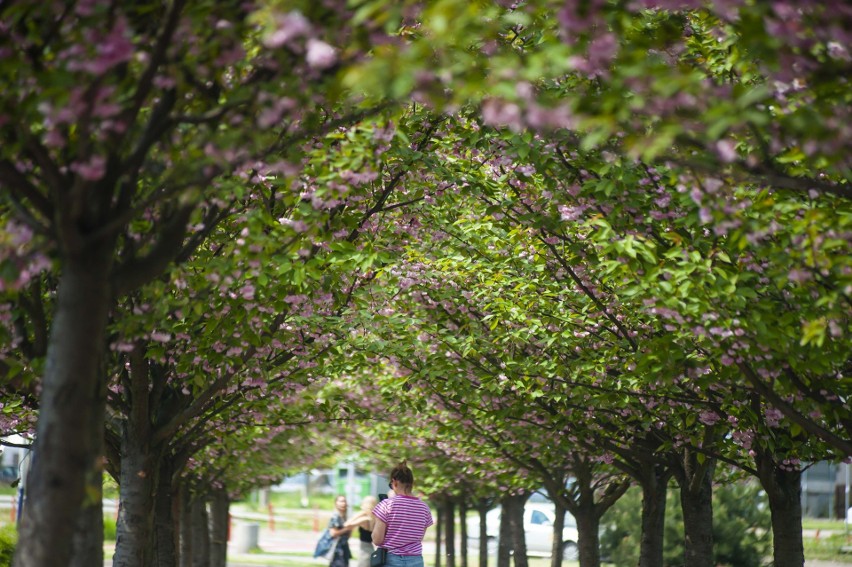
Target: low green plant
8 540
829 547
109 529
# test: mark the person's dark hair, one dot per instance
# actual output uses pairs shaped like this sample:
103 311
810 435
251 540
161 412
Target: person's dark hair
403 474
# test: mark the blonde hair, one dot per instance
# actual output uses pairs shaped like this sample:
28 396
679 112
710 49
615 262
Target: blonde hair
368 503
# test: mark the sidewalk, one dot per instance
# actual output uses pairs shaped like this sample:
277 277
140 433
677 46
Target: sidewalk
299 543
298 546
293 545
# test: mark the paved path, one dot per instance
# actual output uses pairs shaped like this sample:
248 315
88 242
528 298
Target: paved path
294 541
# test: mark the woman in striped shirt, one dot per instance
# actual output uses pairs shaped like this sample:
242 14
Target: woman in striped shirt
401 521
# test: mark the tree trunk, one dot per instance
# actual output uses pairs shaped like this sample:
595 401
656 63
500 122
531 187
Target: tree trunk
165 544
88 546
588 497
219 513
513 507
184 523
654 481
482 509
588 528
89 534
504 538
69 419
696 500
139 476
558 526
200 529
135 530
463 531
784 492
450 532
439 528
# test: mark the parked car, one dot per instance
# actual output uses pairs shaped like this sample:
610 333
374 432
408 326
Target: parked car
538 531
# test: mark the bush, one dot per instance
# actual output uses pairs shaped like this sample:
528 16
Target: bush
109 529
740 528
8 539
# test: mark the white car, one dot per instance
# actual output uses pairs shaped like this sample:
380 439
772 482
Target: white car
538 531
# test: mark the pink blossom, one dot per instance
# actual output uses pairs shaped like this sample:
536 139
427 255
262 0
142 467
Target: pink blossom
92 170
569 213
85 7
320 55
289 27
773 417
709 417
798 276
501 113
838 51
247 291
112 50
602 50
726 150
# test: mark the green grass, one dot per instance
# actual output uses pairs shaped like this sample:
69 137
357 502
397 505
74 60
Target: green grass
291 501
828 548
823 524
296 517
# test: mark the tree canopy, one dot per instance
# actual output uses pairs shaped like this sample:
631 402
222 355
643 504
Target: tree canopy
555 237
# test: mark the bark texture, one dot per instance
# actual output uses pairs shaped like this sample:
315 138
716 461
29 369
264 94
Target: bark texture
199 529
589 546
587 498
450 532
66 452
696 500
513 508
184 525
463 531
482 509
784 491
654 482
219 520
166 508
439 530
88 542
138 473
504 538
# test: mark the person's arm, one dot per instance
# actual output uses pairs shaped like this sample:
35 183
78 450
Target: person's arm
361 519
379 529
338 530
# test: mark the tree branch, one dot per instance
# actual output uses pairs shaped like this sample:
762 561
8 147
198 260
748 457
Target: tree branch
768 394
138 272
21 187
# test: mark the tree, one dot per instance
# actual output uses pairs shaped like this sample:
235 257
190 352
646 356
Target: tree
123 127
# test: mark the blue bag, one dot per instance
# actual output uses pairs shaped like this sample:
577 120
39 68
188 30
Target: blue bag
324 544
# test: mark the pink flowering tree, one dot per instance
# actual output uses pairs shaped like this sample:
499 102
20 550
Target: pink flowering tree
660 200
129 132
237 335
631 270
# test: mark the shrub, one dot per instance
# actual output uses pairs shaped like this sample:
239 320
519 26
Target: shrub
109 529
740 528
8 539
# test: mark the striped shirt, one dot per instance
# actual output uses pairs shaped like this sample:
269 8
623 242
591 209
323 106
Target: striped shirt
407 518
